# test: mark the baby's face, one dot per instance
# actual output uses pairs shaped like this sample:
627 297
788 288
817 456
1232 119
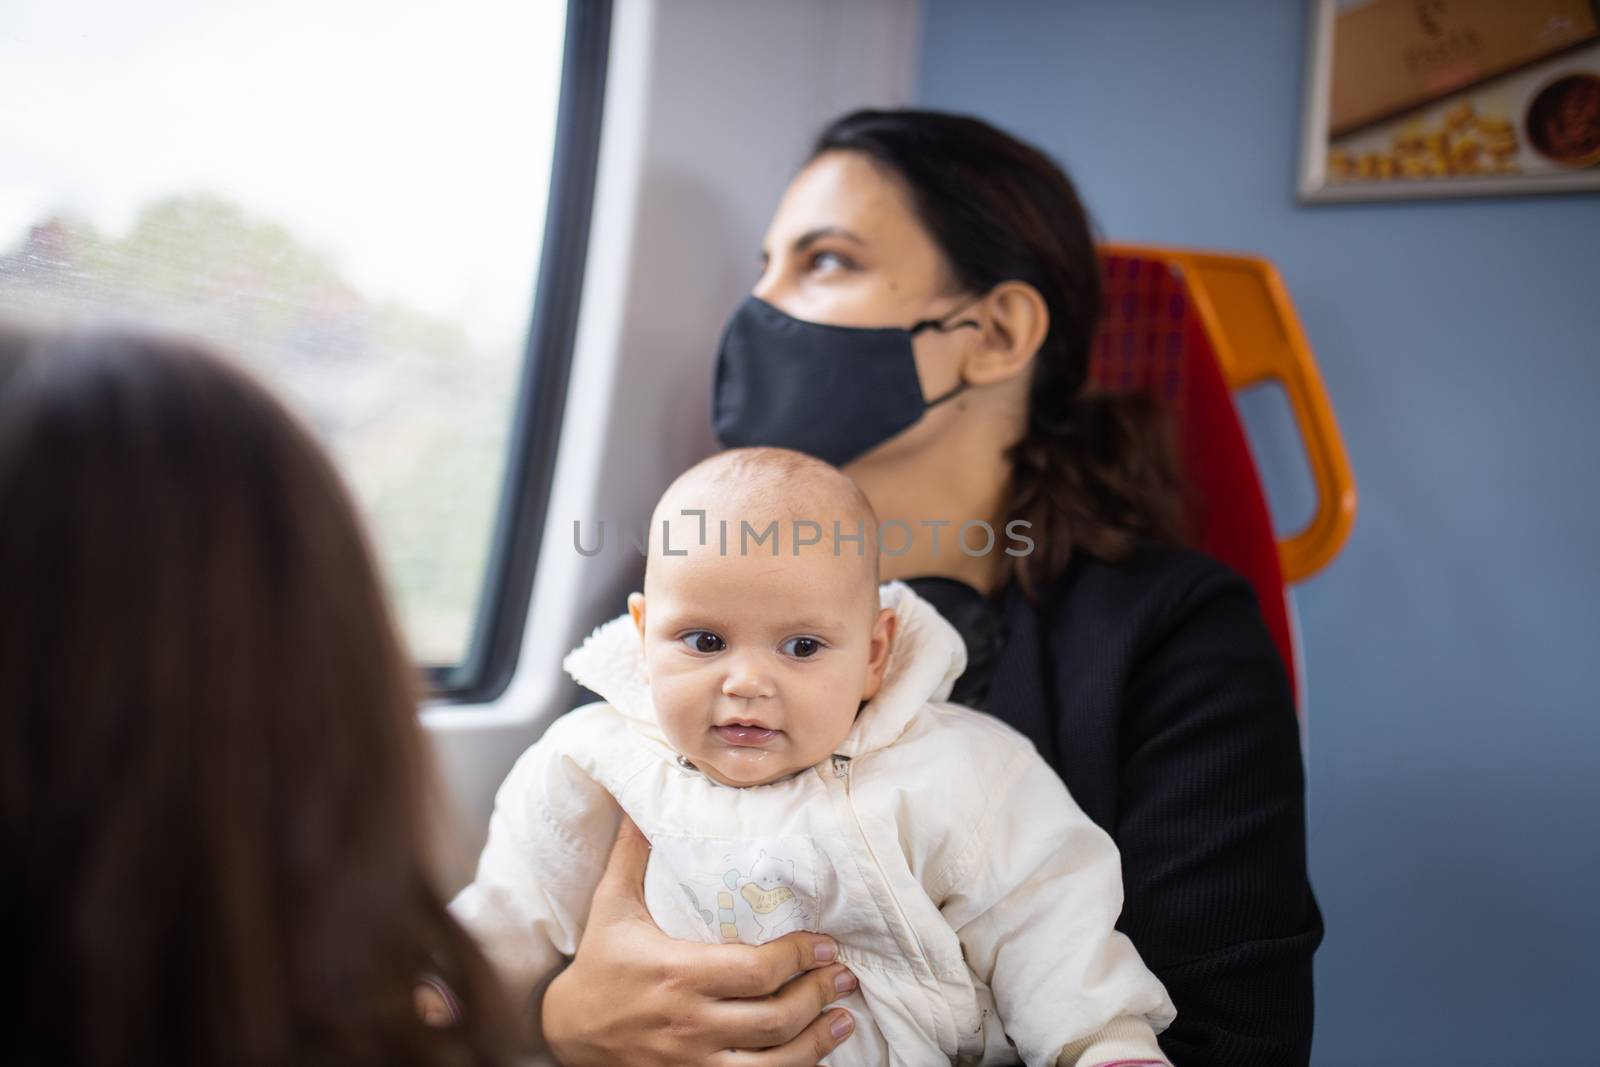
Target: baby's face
758 665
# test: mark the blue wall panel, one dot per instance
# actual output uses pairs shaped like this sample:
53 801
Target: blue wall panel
1452 649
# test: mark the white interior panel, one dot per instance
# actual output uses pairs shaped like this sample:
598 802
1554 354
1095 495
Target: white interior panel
710 106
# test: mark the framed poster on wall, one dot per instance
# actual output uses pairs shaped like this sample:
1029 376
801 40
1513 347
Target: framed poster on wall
1451 98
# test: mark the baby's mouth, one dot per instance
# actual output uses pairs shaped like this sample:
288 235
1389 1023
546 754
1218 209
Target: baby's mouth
744 735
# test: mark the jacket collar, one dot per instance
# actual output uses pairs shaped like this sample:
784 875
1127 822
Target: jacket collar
927 658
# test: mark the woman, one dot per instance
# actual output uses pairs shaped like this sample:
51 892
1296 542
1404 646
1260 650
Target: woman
214 811
938 278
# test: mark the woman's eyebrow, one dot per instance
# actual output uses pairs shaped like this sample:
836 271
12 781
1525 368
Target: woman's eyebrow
811 237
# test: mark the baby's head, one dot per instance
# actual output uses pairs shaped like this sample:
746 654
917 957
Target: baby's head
762 637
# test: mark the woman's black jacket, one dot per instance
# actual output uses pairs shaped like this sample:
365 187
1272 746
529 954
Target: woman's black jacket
1153 688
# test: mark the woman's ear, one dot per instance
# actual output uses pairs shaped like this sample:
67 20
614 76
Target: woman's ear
883 633
1017 321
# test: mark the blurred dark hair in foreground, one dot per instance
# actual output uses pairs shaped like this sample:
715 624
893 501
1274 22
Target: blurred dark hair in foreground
214 793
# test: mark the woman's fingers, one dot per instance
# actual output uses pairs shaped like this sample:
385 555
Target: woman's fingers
432 1008
609 1005
757 970
807 1049
769 1022
620 892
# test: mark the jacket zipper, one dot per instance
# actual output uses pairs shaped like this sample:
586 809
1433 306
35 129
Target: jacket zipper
841 770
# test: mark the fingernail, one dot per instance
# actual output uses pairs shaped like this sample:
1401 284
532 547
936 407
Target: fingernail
841 1025
825 951
844 981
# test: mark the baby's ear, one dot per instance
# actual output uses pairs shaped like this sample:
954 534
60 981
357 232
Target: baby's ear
636 611
884 629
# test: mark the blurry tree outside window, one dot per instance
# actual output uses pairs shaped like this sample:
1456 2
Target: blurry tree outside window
347 197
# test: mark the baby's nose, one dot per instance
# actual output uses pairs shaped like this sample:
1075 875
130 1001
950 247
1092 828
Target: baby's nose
747 681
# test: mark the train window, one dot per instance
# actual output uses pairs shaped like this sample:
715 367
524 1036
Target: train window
352 199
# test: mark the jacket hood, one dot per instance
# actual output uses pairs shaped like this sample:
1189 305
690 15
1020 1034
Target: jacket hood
927 658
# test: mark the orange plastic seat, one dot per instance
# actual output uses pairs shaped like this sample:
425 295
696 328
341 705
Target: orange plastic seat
1190 328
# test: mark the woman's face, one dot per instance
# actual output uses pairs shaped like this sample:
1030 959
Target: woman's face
846 248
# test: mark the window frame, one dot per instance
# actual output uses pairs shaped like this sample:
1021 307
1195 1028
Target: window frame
490 660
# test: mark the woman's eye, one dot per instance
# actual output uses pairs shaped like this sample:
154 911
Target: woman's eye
703 641
830 261
802 647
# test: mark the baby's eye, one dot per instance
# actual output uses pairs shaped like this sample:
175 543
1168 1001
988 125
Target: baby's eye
703 641
802 647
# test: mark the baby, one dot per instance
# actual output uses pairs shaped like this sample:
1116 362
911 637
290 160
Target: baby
776 725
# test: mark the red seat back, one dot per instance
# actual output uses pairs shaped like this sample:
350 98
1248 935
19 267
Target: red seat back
1152 340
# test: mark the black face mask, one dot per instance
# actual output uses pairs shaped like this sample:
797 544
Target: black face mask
833 392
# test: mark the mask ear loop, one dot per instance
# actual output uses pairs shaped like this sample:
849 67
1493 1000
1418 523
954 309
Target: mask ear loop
936 401
939 324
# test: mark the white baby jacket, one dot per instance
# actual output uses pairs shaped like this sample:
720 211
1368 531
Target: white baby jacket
964 887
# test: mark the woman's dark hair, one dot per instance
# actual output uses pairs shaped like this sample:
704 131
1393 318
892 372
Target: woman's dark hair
1094 471
214 802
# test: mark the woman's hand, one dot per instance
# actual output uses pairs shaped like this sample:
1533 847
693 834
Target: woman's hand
634 997
435 1004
